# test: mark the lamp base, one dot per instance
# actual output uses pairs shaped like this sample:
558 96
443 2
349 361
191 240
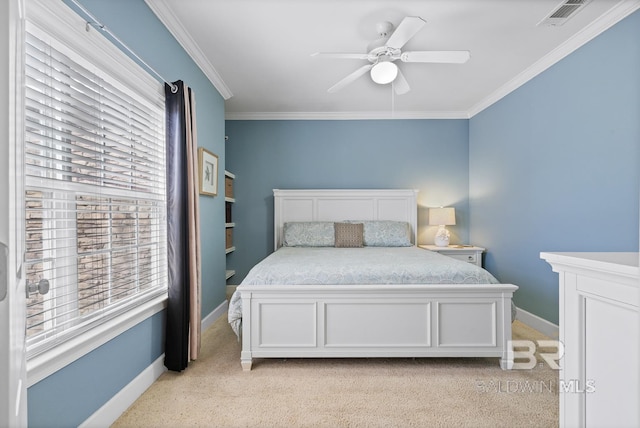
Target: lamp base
442 237
441 242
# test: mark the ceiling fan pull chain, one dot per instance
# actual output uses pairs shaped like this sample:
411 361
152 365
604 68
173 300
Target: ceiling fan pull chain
393 100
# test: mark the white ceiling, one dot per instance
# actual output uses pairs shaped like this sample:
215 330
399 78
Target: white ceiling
257 53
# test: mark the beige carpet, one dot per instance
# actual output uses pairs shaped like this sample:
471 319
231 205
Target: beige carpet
388 392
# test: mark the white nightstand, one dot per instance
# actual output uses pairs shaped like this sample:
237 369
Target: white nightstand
469 254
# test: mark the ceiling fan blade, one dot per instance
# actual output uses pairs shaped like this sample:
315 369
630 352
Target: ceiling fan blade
408 28
400 84
452 57
341 55
350 78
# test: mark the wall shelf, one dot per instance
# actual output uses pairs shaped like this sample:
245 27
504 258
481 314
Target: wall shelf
229 224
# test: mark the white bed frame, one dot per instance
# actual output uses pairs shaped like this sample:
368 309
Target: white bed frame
342 321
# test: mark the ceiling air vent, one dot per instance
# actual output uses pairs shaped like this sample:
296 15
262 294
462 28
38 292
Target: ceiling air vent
563 12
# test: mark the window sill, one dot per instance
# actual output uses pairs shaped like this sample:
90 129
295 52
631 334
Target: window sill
49 362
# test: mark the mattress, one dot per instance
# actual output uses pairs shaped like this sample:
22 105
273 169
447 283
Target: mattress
366 265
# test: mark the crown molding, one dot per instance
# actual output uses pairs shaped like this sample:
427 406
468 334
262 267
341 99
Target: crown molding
175 27
616 14
346 115
623 9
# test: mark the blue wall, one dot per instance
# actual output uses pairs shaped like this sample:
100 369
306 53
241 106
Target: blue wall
429 155
74 393
71 395
554 166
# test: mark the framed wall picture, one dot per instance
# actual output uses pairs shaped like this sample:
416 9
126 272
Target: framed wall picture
208 172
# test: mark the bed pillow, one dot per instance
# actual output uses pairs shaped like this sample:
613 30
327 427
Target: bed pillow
349 235
309 234
386 233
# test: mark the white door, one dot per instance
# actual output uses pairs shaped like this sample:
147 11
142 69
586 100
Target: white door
13 379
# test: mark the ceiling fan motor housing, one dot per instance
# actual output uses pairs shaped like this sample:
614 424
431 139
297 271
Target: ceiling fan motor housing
376 45
384 53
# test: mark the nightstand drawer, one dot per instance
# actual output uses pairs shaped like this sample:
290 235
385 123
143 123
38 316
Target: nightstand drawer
466 253
469 258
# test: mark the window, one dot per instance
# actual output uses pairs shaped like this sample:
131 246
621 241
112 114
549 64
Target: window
94 165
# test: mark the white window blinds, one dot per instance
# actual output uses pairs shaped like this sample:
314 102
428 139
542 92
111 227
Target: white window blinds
95 208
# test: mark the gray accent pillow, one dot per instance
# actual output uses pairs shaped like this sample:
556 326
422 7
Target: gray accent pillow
349 235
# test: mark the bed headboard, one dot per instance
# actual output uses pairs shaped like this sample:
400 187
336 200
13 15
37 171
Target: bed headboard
344 204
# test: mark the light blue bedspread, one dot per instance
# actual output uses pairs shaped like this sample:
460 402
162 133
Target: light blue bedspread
367 265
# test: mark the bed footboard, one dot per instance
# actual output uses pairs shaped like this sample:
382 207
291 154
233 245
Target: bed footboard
303 321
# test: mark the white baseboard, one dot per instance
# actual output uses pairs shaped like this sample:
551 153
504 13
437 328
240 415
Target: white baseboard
540 324
107 414
214 315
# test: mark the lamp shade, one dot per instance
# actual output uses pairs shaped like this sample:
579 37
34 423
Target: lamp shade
442 216
384 72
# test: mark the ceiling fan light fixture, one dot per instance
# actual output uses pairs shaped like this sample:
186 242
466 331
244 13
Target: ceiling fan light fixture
384 72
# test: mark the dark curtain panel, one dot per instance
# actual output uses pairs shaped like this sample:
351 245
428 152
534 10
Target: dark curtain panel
176 356
183 309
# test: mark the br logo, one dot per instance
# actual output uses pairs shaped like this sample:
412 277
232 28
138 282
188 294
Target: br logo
525 352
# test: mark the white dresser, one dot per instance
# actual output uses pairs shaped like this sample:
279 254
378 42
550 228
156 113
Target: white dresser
599 328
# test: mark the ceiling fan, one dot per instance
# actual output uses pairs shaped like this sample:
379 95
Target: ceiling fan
385 50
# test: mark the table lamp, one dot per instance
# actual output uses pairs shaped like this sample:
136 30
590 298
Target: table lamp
442 217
